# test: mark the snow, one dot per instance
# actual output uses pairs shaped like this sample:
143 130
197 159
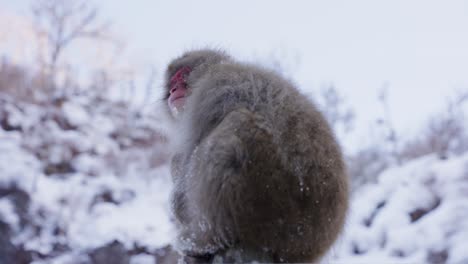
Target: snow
17 166
141 219
381 225
93 176
85 188
142 259
7 213
75 114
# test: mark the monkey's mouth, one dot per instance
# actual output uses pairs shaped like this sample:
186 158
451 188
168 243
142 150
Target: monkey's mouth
177 103
178 83
177 94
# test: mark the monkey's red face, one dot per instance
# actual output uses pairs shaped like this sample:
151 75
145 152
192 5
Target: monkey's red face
178 90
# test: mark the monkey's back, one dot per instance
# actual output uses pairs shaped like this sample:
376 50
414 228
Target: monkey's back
293 175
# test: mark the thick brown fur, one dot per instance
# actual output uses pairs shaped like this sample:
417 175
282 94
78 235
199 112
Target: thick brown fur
258 174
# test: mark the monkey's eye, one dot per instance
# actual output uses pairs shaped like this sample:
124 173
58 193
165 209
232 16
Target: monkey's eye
180 76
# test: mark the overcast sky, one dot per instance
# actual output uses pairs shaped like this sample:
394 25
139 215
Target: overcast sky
419 48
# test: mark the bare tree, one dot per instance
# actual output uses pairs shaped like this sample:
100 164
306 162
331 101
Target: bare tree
19 81
149 84
61 23
386 122
334 107
13 79
444 134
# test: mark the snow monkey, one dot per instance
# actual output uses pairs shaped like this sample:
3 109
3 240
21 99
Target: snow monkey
258 174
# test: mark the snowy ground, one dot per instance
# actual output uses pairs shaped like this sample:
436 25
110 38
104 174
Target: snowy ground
417 213
81 175
87 179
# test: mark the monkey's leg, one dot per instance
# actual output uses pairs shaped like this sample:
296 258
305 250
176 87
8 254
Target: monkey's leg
231 172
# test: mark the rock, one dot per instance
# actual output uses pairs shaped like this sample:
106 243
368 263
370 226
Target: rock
114 253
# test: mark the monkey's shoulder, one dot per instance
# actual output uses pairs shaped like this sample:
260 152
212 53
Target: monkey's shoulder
247 84
232 73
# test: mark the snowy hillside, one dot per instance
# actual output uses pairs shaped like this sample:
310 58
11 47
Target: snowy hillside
86 181
78 175
417 213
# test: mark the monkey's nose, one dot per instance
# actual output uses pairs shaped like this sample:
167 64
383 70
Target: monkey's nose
173 89
177 85
178 80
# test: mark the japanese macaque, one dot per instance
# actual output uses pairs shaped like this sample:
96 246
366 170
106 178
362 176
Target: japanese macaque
258 174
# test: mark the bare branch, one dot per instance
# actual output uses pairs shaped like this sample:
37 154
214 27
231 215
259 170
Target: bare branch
335 109
65 21
386 121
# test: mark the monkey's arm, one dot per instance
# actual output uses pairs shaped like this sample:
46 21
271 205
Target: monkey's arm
214 97
231 183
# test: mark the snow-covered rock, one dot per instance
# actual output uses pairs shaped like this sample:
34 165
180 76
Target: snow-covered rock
88 174
86 179
416 213
75 114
